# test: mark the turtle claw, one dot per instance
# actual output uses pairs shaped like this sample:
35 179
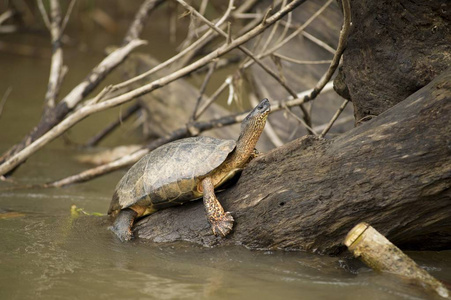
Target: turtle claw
223 225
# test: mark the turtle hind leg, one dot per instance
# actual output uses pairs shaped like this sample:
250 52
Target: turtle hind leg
221 222
123 224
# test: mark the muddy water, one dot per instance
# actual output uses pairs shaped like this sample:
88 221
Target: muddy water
46 253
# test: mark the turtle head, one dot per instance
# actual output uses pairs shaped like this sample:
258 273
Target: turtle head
255 121
251 129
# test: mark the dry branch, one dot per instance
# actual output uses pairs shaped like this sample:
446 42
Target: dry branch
113 125
252 56
135 29
190 129
67 104
56 67
334 118
191 48
85 111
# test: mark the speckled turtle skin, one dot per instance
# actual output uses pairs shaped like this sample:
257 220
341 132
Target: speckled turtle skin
169 175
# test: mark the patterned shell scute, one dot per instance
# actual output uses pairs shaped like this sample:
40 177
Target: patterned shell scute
171 172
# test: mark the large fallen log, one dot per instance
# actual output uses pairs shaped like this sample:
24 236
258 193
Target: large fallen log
393 172
394 49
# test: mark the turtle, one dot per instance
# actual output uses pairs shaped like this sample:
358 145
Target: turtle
185 170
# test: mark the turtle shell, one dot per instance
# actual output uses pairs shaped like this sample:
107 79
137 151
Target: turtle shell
169 175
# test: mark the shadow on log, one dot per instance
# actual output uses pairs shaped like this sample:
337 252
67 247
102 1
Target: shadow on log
393 172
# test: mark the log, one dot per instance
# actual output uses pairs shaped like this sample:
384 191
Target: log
381 255
394 49
393 172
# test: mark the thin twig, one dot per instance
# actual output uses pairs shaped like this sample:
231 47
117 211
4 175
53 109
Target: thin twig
340 48
135 29
318 42
250 54
212 99
203 6
4 98
300 121
272 33
247 5
303 62
67 16
177 56
297 31
97 171
44 14
286 28
211 69
113 125
334 118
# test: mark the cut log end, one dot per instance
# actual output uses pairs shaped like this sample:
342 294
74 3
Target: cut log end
380 254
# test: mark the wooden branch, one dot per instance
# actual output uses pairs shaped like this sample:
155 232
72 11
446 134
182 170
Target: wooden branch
56 67
3 18
52 117
134 31
297 31
178 56
4 98
381 255
340 48
393 172
318 42
207 78
396 68
190 129
45 16
252 56
302 62
19 156
334 118
50 120
112 126
212 98
67 16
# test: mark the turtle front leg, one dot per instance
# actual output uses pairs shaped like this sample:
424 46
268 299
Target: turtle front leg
122 226
221 222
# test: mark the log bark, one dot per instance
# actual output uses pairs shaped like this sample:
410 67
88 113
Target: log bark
393 172
394 49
